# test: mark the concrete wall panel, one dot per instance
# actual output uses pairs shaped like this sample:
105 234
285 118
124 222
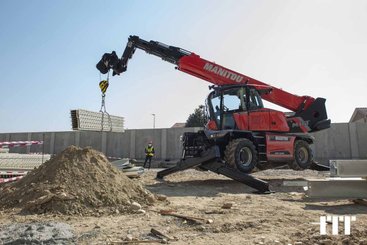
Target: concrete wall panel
3 137
114 144
341 141
45 137
91 139
333 143
362 139
18 137
126 143
61 141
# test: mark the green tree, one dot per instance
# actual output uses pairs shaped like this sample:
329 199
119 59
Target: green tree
198 118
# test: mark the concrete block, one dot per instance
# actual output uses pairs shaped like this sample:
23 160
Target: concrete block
337 188
348 168
295 183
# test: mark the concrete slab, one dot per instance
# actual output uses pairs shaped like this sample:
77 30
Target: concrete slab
12 161
341 188
96 121
348 168
295 183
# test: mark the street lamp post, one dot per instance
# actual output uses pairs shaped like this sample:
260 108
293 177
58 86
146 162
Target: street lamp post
153 120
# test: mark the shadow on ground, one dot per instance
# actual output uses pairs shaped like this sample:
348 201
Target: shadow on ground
338 208
330 205
204 188
212 187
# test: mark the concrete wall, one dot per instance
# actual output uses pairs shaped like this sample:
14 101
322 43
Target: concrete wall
341 141
129 144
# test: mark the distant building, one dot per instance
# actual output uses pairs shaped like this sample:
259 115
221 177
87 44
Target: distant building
359 115
179 125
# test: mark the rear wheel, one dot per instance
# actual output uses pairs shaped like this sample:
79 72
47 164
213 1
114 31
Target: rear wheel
303 156
241 154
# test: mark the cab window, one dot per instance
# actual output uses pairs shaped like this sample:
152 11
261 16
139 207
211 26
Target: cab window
234 100
255 101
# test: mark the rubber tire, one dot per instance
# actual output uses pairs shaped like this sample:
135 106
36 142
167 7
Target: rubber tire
232 154
297 163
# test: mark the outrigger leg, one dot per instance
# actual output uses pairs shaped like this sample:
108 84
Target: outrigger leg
209 161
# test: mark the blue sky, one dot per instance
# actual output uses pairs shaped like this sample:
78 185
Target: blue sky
48 52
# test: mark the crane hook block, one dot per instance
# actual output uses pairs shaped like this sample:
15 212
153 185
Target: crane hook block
103 85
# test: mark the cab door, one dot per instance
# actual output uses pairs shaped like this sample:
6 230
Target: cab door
259 117
242 120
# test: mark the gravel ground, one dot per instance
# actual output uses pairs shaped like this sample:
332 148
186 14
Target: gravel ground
284 217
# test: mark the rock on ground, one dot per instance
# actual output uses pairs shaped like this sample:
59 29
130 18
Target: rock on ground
37 233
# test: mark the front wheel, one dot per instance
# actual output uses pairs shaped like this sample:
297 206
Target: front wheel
303 156
241 154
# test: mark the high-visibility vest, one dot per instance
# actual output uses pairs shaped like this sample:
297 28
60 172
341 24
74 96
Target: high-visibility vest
149 151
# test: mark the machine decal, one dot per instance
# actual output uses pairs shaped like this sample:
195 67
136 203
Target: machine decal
223 72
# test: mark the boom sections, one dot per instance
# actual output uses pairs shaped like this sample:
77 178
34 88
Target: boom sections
219 75
193 64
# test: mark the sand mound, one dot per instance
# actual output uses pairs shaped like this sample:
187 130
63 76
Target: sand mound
77 181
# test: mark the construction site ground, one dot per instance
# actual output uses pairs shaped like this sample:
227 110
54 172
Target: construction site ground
284 217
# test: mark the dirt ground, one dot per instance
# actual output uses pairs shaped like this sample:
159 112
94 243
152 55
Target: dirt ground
284 217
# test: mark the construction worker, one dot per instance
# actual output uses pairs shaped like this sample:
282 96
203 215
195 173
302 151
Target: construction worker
149 153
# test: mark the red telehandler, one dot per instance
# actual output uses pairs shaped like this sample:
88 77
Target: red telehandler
241 135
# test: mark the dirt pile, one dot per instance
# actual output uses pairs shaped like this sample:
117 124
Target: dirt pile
76 181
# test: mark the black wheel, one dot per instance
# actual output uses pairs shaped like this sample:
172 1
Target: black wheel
241 154
303 156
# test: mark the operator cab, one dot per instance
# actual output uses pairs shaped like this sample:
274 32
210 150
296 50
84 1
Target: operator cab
226 101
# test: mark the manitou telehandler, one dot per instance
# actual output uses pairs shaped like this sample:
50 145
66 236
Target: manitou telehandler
241 135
